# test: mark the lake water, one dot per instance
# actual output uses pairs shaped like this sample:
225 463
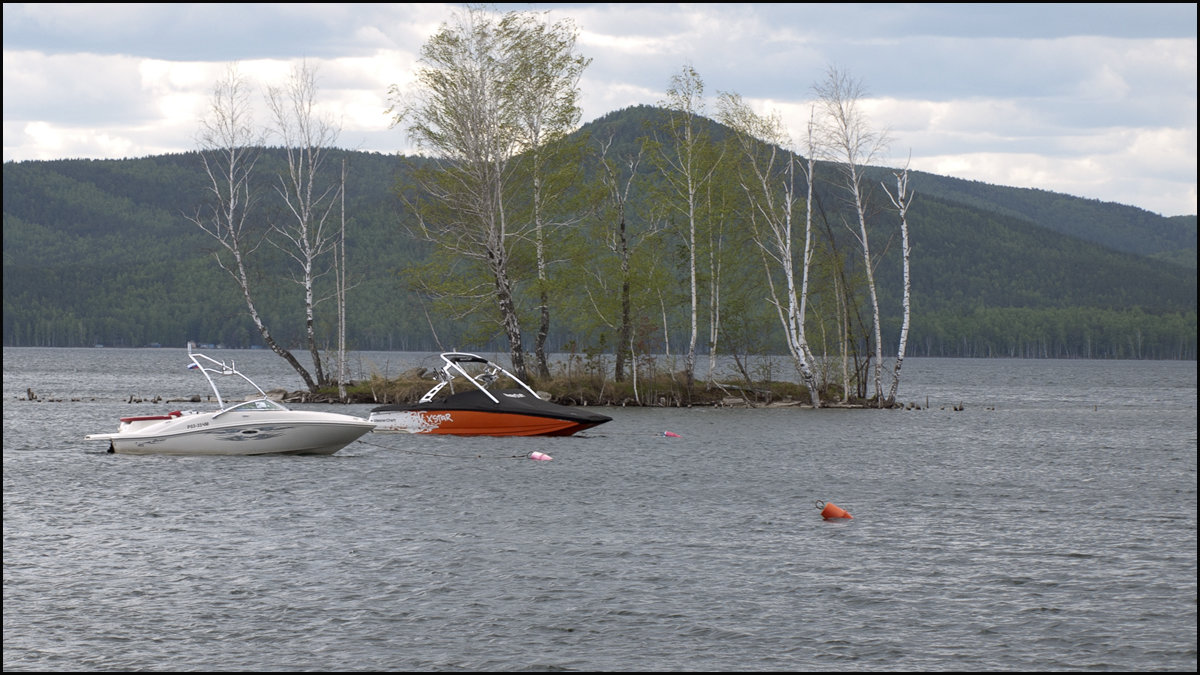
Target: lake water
1048 525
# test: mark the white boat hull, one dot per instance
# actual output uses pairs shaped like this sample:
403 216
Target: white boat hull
290 432
257 426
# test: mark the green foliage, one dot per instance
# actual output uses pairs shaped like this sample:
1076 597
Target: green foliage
1114 226
1075 332
101 252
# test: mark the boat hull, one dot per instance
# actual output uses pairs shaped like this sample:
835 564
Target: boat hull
473 413
258 425
297 433
476 423
486 410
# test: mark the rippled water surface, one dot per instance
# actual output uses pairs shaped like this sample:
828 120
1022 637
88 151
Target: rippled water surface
1049 524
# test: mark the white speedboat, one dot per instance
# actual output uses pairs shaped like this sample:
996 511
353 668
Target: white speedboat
257 426
483 409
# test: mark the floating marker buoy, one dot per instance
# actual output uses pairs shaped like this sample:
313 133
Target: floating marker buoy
671 434
832 511
541 456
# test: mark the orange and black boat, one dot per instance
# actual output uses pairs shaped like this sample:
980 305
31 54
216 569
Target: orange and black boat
485 409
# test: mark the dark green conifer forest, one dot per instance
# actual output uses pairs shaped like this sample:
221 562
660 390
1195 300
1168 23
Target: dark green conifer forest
101 252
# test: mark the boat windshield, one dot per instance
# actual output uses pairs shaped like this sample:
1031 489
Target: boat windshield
257 404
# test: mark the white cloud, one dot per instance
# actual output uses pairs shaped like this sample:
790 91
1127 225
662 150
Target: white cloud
1096 102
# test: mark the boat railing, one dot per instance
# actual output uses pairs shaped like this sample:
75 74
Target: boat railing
481 381
218 368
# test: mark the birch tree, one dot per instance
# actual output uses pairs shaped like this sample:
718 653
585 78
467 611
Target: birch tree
687 164
492 97
229 148
309 233
618 188
769 181
544 90
852 145
341 292
461 116
901 200
717 206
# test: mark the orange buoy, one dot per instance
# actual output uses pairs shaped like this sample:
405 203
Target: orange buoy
829 511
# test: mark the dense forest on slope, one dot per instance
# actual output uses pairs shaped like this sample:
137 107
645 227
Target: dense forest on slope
101 252
1116 226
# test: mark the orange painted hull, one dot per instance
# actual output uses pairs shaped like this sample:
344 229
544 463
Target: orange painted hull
479 412
478 423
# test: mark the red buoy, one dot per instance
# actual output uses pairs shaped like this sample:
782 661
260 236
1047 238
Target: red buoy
829 511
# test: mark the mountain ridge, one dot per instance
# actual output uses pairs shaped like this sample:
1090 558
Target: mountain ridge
100 251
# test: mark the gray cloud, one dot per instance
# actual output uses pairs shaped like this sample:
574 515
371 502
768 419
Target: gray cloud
1010 90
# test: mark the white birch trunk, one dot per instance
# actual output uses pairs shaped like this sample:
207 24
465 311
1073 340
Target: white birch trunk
714 302
772 209
341 296
690 360
685 174
853 145
305 138
227 136
860 209
806 371
901 200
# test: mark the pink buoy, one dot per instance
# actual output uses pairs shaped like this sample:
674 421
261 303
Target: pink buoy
541 456
671 434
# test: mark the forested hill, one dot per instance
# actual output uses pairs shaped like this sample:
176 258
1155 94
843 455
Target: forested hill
101 252
1115 226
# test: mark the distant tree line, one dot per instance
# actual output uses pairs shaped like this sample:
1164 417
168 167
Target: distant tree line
98 252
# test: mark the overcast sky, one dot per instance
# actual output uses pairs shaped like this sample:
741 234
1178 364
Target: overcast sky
1094 100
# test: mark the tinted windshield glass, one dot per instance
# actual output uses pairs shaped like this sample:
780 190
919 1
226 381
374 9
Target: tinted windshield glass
258 404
